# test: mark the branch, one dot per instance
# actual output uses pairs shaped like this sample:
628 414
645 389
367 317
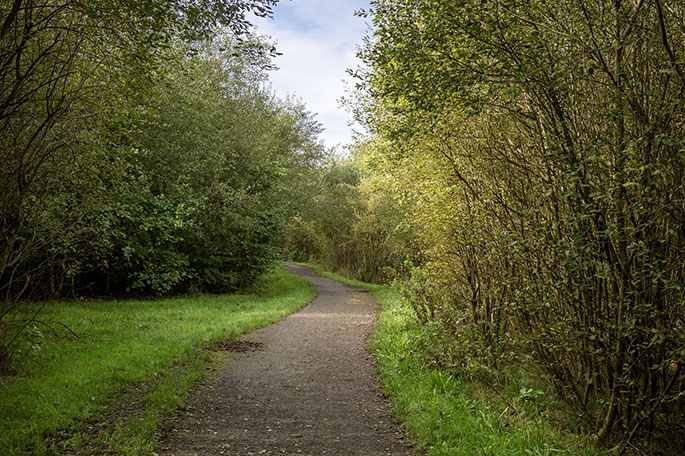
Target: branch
46 323
27 322
14 11
664 40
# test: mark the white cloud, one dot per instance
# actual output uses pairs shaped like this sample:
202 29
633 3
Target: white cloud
318 39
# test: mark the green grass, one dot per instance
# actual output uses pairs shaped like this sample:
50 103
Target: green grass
63 385
448 415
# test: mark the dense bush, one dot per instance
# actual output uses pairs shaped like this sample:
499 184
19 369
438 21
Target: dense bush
536 149
142 150
346 223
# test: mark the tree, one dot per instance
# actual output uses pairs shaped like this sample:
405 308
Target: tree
52 57
143 152
559 127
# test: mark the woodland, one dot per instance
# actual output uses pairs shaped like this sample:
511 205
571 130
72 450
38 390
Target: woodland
521 181
139 155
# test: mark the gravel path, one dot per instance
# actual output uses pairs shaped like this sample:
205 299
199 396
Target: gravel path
303 386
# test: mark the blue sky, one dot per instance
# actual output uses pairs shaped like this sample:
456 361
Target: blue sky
318 39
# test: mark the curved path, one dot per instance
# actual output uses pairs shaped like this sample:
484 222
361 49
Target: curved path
310 388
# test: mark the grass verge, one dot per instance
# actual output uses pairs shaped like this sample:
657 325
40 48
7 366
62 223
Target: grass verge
133 362
448 415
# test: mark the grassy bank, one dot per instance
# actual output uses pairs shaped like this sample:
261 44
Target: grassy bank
108 389
450 415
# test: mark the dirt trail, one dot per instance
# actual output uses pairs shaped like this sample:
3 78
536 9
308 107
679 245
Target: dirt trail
308 388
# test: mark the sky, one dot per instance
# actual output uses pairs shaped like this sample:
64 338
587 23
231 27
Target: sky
318 39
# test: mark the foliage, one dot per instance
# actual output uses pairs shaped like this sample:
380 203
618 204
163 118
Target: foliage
346 222
144 152
57 60
536 151
450 415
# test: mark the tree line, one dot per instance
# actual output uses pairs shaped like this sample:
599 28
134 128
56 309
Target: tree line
524 181
142 150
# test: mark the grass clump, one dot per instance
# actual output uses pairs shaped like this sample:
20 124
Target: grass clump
450 415
148 353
